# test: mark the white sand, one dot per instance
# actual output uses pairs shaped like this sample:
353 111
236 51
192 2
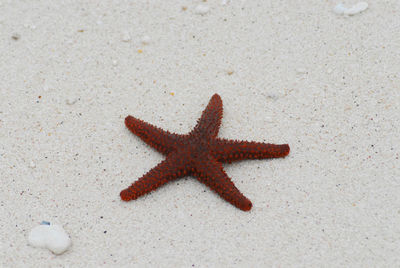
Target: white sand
66 155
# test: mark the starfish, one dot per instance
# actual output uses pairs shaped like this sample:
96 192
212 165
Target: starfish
199 153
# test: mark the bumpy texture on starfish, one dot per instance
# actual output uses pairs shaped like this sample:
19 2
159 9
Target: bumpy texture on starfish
199 153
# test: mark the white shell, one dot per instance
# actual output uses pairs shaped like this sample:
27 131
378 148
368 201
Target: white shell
357 8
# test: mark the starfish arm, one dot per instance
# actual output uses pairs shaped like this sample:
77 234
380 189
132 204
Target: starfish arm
230 150
210 120
211 173
163 141
173 167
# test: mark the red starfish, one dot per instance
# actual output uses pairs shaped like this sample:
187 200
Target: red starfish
199 153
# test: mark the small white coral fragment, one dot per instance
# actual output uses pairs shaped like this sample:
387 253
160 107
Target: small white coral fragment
52 237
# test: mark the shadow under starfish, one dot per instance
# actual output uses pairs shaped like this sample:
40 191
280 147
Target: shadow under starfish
200 154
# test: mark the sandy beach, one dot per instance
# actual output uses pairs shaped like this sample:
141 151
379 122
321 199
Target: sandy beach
295 72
